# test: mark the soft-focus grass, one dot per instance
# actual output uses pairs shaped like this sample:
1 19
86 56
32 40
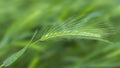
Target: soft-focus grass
19 19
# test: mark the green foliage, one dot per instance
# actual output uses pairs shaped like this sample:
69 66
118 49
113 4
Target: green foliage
72 34
15 56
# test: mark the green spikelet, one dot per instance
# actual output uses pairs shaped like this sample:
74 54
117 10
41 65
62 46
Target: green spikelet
88 27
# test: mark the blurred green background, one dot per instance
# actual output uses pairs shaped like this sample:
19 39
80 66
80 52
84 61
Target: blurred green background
19 19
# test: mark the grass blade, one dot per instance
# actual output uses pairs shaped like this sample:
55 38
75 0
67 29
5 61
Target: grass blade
16 55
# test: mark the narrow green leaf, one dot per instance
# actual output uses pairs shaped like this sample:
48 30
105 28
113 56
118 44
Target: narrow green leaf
16 55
